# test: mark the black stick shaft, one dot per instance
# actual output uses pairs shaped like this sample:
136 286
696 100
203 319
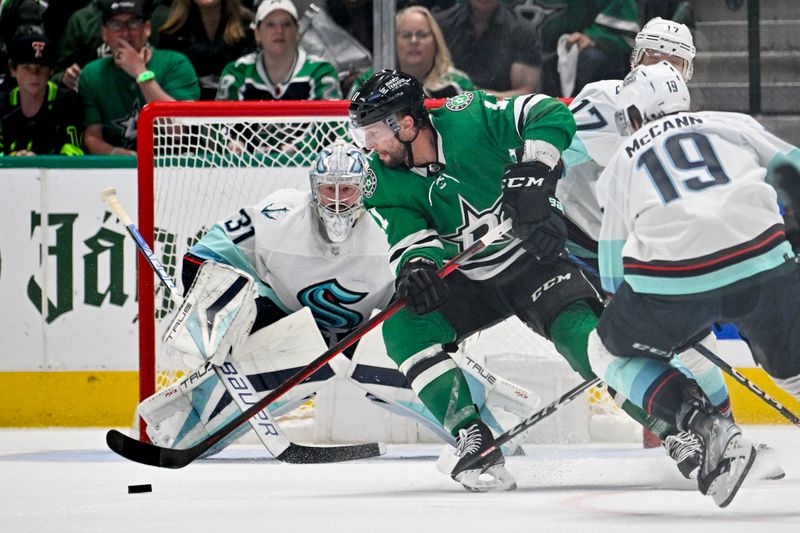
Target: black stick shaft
732 372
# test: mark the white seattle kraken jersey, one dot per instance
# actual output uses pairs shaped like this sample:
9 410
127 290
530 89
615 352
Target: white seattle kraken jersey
278 241
685 205
595 141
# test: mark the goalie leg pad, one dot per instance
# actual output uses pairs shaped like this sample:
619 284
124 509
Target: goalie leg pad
199 404
189 410
372 370
216 316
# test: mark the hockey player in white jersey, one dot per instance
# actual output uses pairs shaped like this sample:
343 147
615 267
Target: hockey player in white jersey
691 234
595 141
597 138
316 250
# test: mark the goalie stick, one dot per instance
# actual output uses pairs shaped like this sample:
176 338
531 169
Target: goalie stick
752 387
236 382
150 454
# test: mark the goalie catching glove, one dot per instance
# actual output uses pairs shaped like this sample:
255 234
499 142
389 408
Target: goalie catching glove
421 286
216 316
536 214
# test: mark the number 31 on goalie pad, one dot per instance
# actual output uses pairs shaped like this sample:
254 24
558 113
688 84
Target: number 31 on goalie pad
216 316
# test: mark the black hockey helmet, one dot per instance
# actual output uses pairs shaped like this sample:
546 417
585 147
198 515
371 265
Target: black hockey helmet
385 94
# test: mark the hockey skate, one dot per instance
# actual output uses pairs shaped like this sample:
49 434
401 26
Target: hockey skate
472 441
727 456
687 452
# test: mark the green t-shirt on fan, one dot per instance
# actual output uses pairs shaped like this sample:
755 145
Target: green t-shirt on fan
112 98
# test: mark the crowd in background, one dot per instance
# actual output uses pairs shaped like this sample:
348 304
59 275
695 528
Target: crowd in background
74 74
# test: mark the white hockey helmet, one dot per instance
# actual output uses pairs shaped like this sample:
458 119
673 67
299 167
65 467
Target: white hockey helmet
650 92
337 181
667 38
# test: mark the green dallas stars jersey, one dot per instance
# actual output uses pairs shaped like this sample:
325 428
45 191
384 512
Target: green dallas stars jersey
247 79
114 99
438 215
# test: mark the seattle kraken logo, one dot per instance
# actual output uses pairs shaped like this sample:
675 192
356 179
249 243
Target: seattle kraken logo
327 301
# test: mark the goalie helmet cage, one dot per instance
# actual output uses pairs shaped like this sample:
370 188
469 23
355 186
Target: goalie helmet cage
200 161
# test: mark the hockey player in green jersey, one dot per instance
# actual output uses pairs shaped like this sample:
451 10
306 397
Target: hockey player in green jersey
440 180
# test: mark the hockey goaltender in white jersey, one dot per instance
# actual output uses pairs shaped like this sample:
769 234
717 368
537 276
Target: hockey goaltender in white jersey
278 241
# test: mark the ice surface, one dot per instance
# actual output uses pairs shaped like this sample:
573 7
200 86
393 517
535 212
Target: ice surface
67 481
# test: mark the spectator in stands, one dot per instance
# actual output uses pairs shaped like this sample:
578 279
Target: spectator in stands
602 31
489 42
82 40
14 14
422 53
37 117
211 33
280 70
114 89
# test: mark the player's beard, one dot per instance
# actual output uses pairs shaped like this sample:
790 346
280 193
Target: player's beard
393 157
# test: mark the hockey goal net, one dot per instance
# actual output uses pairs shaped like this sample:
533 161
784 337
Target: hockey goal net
199 162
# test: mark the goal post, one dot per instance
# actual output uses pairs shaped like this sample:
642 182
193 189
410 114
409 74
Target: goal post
198 162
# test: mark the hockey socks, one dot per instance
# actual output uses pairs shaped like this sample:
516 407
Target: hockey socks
570 332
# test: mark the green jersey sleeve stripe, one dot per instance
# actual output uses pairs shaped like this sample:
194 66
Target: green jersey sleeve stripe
522 108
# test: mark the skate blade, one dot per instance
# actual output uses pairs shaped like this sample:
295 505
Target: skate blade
740 455
494 479
765 466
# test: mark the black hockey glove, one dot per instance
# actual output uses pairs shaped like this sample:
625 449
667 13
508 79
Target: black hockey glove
527 189
548 238
536 214
422 288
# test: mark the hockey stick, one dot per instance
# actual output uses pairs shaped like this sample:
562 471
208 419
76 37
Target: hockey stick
732 372
236 382
169 458
533 419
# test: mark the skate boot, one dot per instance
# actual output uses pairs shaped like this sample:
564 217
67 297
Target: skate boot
473 442
727 456
687 451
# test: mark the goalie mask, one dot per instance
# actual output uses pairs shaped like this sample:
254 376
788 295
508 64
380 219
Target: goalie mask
665 40
337 180
650 92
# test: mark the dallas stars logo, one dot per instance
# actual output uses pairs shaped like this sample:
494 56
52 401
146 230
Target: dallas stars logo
459 102
370 184
475 224
128 123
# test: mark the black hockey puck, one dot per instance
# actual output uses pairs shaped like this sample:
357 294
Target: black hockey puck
138 489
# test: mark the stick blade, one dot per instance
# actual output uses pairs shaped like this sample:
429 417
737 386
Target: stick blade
147 454
298 454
